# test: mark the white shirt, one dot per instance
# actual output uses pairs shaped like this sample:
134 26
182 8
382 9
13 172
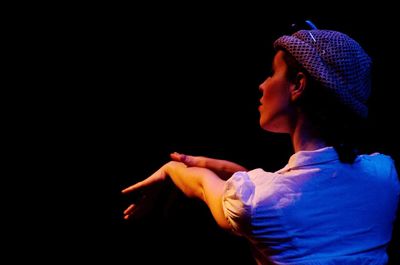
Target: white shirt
316 210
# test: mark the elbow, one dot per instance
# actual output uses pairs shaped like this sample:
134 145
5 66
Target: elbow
224 224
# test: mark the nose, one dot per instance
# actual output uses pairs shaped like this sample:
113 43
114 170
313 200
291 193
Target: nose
262 85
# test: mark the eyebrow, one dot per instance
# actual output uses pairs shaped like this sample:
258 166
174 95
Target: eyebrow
273 65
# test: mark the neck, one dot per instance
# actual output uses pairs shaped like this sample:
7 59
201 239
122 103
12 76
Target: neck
305 137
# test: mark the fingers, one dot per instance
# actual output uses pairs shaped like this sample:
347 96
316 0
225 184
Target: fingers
142 206
193 161
137 186
157 177
151 187
129 211
179 157
135 211
132 188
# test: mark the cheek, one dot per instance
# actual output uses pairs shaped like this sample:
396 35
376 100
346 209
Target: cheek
275 108
277 93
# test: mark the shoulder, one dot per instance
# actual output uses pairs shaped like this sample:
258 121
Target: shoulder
241 195
239 187
381 166
243 191
378 161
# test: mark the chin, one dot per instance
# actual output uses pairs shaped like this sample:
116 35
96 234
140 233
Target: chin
274 127
273 130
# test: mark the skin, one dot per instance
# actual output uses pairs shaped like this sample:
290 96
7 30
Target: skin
204 178
278 110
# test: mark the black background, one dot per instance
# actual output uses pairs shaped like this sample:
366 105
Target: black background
130 84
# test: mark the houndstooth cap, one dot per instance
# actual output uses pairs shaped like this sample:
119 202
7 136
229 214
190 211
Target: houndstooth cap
335 60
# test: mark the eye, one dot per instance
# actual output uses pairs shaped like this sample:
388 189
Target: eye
271 72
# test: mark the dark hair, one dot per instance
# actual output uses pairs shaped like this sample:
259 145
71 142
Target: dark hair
337 125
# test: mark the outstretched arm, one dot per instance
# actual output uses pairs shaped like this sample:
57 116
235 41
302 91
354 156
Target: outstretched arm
223 168
194 182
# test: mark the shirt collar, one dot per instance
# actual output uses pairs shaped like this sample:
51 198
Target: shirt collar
307 158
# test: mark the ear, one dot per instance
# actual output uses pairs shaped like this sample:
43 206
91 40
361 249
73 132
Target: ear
298 86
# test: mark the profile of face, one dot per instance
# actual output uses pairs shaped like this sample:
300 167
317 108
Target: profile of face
277 108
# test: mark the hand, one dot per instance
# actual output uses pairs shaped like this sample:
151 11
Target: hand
223 168
150 188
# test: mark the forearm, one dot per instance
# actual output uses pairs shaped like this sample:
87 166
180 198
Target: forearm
190 180
223 168
200 183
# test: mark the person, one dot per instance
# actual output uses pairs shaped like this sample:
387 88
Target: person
331 203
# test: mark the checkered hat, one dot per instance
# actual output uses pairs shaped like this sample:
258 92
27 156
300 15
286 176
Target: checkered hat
335 60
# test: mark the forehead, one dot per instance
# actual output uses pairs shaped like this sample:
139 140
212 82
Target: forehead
279 60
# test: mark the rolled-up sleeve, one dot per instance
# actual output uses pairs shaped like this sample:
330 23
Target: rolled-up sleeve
237 201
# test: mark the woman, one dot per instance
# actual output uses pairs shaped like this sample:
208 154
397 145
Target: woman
329 204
